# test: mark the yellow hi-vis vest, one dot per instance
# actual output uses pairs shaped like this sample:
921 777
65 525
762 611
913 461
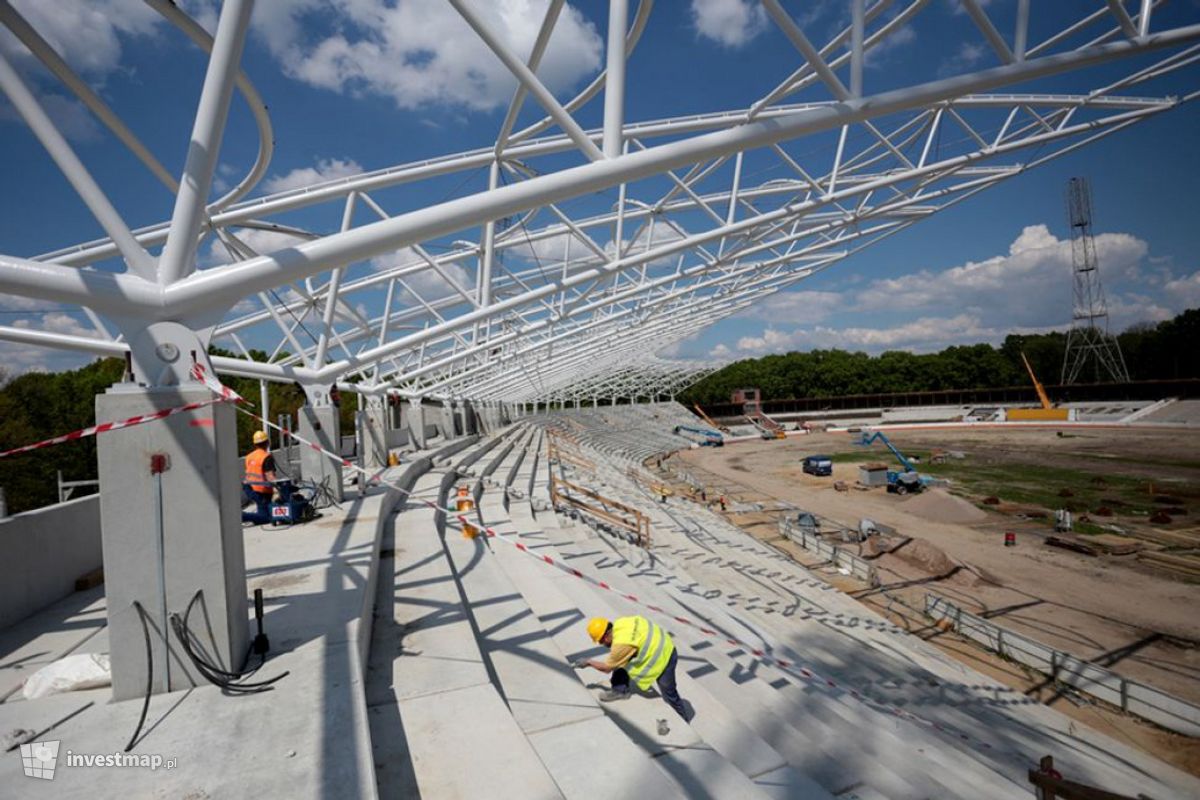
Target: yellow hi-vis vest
654 648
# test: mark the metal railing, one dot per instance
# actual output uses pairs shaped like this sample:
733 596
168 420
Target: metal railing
812 542
1136 698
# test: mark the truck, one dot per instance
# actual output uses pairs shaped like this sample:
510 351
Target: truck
817 465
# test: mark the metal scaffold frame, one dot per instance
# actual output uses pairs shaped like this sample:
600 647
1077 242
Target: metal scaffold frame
524 291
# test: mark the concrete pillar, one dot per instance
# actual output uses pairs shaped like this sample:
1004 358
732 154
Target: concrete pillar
199 511
322 425
470 418
375 435
446 421
416 423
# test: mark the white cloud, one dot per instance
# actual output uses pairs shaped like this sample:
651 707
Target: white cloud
968 55
327 169
1026 290
58 322
1185 290
421 52
259 240
730 23
86 33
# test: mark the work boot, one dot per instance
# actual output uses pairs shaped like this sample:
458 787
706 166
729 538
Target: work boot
612 695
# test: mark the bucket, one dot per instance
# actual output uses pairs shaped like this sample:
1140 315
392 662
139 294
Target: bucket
1010 539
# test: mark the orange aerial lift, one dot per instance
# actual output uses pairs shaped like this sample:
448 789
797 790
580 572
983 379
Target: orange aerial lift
1047 413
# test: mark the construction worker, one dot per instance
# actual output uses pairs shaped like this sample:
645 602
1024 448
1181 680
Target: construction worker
258 485
640 652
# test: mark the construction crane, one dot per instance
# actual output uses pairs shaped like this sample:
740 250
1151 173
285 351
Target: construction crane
1046 413
708 419
868 438
709 438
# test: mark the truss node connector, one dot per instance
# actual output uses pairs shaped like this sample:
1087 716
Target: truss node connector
163 353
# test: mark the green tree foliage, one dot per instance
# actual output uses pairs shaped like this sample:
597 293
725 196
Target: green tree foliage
37 406
1163 351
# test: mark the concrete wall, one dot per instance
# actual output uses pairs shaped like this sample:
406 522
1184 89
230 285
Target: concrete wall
44 552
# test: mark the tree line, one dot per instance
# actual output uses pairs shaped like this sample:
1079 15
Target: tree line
1162 351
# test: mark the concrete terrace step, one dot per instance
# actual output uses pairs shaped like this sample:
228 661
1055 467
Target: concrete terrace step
696 769
843 640
807 741
429 696
563 603
577 743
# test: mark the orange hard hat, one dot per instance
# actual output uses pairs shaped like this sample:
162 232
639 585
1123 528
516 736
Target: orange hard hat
596 628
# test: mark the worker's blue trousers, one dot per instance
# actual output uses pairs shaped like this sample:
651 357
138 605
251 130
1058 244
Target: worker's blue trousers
666 686
261 514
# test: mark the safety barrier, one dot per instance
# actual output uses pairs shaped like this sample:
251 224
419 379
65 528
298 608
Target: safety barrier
858 567
1136 698
610 511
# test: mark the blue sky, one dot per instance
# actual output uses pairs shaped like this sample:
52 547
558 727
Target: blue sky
362 84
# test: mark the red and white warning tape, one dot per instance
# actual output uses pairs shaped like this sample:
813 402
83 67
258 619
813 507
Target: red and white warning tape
789 667
105 427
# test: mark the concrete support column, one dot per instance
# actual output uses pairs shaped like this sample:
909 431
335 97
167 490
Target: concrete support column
194 504
416 423
322 425
375 435
470 418
446 420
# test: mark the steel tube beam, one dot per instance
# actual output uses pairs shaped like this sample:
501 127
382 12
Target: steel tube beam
179 254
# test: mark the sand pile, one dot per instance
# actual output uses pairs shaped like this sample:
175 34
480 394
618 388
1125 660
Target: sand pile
937 505
934 561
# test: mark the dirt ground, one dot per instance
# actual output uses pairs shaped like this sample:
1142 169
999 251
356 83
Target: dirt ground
1110 609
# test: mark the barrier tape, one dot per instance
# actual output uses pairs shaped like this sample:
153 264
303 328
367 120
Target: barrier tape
787 666
105 427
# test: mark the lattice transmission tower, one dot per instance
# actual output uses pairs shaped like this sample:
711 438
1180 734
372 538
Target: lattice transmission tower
1088 340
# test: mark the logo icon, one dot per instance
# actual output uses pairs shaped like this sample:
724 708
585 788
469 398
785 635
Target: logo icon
39 759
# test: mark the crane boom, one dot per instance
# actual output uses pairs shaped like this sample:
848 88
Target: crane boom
1036 383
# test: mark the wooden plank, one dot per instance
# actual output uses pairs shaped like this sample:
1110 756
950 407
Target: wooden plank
1072 544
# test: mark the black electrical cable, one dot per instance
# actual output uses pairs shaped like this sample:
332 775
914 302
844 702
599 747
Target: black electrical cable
229 681
149 675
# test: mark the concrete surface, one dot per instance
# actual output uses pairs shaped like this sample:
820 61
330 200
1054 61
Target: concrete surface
45 550
202 536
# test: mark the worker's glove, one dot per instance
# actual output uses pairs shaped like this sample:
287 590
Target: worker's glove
580 664
276 497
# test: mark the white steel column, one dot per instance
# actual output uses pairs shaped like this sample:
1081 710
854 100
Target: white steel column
614 81
179 253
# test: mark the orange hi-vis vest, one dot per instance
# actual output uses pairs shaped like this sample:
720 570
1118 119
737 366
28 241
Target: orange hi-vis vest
254 471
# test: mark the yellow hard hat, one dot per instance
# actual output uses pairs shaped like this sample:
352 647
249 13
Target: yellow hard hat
596 628
260 437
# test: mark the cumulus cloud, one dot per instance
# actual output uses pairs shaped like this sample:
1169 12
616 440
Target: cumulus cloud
259 240
326 169
1185 290
86 33
58 322
730 23
1026 290
421 52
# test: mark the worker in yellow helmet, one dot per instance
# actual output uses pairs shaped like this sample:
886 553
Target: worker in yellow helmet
258 484
641 653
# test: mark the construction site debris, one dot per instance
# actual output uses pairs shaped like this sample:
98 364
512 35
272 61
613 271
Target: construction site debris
940 506
840 486
991 500
1103 511
1072 544
1161 518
